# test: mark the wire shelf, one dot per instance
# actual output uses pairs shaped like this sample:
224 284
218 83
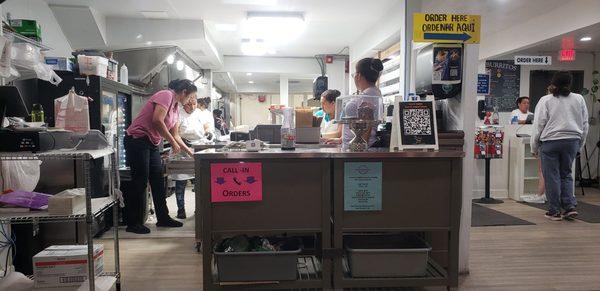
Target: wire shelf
17 38
57 155
99 206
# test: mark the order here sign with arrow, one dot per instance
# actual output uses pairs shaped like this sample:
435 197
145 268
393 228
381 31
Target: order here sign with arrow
446 28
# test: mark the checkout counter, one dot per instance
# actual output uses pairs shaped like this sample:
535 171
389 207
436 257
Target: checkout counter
303 194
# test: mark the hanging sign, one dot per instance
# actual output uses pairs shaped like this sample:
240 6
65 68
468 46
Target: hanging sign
483 84
236 182
533 60
362 186
418 127
446 28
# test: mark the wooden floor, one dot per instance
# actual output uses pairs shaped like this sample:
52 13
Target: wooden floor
546 256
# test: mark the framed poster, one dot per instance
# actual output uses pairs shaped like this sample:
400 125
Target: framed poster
418 127
362 186
447 69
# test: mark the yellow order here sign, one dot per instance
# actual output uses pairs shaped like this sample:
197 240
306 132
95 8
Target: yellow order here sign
446 28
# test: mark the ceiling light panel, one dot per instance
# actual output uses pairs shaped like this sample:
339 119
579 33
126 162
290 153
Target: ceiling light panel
155 14
252 2
275 28
586 38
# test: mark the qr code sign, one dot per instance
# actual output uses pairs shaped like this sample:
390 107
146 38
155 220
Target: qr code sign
417 122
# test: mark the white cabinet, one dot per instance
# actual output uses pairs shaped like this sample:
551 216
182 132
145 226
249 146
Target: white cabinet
523 169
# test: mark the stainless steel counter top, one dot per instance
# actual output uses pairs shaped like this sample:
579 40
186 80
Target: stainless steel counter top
327 152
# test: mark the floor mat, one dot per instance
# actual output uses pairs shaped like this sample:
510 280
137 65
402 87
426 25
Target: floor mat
587 212
484 216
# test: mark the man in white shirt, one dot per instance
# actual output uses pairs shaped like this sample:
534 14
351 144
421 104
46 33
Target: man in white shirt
520 114
192 130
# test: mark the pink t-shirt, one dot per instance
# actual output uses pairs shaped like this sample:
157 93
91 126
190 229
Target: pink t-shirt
142 124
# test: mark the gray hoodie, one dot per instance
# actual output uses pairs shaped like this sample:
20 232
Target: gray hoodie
559 118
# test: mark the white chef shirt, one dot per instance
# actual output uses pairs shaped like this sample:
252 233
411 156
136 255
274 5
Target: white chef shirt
206 117
190 125
328 127
520 115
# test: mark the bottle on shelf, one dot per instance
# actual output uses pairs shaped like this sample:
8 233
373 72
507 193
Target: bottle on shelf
288 130
495 116
37 113
124 74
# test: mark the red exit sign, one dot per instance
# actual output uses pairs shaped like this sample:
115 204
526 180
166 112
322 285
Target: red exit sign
566 55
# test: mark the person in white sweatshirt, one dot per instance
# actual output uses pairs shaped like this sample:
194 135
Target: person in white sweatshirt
560 127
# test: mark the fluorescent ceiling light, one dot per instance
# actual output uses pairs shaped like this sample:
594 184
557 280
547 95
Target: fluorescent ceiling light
253 47
275 28
180 65
155 14
139 36
170 59
250 82
148 43
252 2
586 38
226 27
248 74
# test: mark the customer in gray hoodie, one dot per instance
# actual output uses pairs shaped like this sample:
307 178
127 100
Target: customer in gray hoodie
560 128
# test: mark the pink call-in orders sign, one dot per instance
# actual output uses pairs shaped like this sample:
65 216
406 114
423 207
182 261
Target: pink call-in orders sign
236 182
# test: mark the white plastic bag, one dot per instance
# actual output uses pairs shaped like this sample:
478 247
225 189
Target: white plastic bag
6 68
20 175
72 113
30 57
16 281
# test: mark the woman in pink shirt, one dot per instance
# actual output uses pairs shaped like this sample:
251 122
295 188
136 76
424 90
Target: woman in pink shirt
158 120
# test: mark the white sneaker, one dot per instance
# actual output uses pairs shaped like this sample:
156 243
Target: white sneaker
535 199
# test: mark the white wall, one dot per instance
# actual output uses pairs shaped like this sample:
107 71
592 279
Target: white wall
252 112
38 10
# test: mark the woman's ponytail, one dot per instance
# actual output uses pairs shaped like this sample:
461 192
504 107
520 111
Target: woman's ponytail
561 84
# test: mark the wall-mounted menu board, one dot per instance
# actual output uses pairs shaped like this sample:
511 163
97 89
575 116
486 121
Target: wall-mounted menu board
505 83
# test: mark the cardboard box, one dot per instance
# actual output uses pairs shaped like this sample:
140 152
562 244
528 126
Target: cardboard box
67 202
63 266
304 117
60 63
27 27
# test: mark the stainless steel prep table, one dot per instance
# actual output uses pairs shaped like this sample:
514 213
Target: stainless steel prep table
303 194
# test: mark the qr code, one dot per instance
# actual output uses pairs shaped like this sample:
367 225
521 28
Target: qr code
417 122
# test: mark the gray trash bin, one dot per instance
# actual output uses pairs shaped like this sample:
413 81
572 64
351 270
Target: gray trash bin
260 266
380 256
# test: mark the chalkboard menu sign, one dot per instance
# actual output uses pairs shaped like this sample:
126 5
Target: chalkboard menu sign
418 128
505 83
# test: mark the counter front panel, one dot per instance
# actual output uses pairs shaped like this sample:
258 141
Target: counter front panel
292 197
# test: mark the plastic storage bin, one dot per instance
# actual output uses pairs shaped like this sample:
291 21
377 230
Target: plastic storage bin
380 256
92 65
259 266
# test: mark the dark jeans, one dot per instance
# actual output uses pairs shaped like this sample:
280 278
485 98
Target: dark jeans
557 159
180 194
146 166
